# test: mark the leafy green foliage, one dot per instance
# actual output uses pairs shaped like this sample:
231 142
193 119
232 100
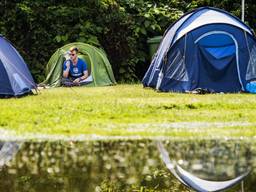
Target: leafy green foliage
37 28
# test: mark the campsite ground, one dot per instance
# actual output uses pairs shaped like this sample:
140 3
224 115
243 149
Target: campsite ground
129 110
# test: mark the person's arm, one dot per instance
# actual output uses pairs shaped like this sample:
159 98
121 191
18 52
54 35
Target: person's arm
66 69
77 80
84 76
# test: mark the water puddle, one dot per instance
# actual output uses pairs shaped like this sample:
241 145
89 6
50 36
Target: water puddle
124 165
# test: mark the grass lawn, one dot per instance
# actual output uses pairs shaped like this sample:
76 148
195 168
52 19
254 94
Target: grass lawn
130 110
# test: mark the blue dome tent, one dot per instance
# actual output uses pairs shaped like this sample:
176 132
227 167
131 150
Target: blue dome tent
206 48
15 78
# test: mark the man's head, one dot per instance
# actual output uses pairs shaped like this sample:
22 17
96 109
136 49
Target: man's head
73 52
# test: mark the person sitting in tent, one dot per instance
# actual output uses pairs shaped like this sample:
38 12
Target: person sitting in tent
75 69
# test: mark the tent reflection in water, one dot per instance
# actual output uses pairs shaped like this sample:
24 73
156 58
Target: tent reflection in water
8 151
15 77
194 182
99 68
206 48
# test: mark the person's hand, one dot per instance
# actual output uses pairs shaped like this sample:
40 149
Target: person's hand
76 80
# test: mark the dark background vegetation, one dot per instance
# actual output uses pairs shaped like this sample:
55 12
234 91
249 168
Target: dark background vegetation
121 27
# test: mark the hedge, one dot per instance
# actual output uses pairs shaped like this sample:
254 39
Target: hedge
121 27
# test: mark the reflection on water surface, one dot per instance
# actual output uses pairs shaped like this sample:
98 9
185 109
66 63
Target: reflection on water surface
131 165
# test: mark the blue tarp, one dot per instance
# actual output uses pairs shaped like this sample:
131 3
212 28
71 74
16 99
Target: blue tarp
207 48
15 78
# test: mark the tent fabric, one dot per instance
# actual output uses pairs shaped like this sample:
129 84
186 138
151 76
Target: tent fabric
98 65
213 16
203 51
194 182
8 150
203 185
15 77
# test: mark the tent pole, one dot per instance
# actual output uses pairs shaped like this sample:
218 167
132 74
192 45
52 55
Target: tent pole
242 186
242 18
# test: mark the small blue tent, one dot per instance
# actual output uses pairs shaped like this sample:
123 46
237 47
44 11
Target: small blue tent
206 48
15 78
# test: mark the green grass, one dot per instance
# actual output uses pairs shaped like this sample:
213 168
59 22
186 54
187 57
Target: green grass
130 110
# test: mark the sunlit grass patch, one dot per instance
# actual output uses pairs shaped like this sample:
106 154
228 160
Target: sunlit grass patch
129 110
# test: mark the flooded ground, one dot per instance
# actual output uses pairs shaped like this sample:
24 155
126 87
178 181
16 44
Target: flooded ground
121 165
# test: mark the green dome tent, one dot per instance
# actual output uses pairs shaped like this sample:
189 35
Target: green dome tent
98 65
